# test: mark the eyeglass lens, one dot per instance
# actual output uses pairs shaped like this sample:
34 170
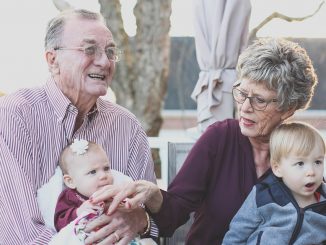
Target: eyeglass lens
255 102
111 52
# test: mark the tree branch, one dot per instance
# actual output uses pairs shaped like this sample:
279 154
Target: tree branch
62 5
253 33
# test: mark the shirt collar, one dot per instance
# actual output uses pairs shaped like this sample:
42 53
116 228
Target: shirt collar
58 100
61 103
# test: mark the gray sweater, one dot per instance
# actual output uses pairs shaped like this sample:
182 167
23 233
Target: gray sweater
270 215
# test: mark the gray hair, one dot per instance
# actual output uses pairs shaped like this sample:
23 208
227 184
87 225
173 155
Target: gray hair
282 66
55 26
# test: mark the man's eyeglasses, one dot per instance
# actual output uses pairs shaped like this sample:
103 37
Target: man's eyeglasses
112 53
256 102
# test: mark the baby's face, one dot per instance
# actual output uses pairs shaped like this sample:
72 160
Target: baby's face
90 172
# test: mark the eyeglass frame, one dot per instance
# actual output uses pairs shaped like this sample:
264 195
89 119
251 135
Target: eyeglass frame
251 98
96 52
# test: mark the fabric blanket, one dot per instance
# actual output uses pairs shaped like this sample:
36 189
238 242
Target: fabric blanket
47 197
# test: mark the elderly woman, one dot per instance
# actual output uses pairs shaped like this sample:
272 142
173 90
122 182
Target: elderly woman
276 78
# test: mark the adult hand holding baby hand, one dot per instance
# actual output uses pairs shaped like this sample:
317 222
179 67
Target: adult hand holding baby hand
130 195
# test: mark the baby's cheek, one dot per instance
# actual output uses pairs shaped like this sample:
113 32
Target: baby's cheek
111 179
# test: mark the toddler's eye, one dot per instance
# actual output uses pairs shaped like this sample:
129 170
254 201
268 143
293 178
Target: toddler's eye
300 163
318 162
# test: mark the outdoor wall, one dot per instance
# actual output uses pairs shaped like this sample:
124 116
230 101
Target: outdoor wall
184 72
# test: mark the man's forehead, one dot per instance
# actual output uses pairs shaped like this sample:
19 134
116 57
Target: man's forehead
88 31
108 42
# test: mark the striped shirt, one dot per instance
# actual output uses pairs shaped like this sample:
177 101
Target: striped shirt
36 124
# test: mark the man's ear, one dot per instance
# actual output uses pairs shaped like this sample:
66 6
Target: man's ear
276 169
51 59
69 181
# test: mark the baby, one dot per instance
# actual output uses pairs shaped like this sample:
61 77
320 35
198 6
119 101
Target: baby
85 168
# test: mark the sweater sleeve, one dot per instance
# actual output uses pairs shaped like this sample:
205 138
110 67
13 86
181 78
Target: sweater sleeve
190 186
244 223
66 209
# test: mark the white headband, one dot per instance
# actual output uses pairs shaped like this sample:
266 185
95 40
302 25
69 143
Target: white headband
79 146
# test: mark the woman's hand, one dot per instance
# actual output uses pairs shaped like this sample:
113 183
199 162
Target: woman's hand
119 228
130 195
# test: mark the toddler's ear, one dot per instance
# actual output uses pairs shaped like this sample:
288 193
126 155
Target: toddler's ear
276 169
69 181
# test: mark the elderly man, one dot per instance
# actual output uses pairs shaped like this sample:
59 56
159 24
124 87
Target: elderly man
36 124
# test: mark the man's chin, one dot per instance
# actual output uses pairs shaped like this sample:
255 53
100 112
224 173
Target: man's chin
98 91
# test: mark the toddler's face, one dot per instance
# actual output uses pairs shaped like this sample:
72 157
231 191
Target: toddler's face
91 172
302 174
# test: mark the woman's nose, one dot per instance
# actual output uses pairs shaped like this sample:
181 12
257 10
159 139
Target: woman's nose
246 105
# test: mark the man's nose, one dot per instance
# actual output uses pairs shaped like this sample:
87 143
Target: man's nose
101 58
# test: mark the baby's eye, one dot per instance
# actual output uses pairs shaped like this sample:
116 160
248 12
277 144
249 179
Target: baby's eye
106 169
92 172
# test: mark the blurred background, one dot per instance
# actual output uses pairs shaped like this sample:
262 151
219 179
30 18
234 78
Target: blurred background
23 24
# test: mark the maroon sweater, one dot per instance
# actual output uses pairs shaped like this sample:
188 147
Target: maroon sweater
214 181
67 204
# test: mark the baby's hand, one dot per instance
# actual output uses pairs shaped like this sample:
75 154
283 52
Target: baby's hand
88 207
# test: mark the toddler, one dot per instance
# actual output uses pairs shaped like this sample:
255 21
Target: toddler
289 205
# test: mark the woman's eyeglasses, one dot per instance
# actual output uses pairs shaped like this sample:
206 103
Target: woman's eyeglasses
256 102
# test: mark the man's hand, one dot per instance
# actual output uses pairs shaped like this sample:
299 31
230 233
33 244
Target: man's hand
118 228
